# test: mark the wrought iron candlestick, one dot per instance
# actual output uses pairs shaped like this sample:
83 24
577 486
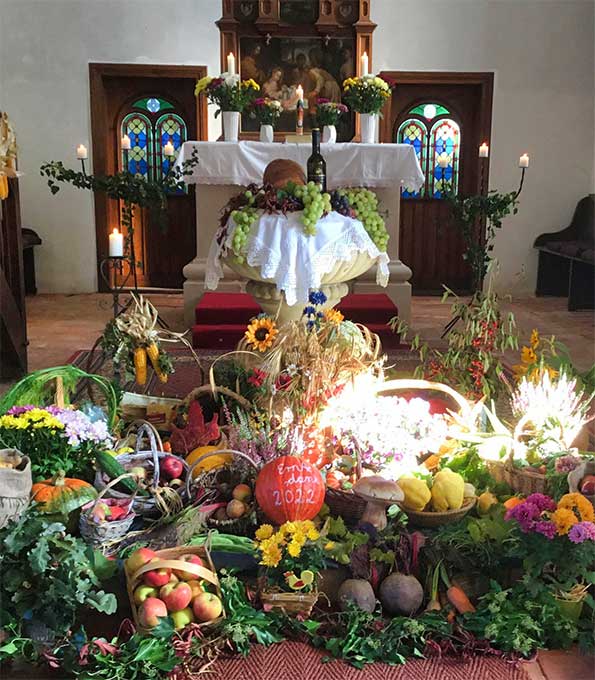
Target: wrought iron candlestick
112 271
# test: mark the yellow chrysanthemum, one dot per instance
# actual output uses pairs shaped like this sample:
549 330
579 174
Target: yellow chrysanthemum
576 501
313 534
261 333
534 338
528 355
263 532
202 84
271 555
299 537
333 316
251 83
563 519
294 549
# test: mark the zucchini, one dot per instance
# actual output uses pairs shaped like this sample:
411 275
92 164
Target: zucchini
112 468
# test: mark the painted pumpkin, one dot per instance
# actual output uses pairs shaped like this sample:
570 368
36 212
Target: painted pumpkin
209 463
288 489
62 495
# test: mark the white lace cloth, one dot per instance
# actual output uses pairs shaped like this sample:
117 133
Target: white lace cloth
281 250
348 164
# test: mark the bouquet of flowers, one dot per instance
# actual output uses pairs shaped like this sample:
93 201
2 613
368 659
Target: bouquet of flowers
328 113
265 110
227 91
366 94
54 438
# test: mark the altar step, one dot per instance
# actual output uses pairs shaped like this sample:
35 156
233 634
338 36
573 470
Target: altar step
221 318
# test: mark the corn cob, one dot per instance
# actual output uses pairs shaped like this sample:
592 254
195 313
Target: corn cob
140 365
153 354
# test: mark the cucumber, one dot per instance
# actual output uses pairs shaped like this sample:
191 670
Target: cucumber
112 468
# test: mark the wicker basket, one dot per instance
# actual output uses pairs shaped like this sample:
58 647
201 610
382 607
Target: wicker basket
206 480
143 505
438 519
521 480
345 504
168 559
289 603
102 535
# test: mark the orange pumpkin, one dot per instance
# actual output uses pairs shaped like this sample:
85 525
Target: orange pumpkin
512 502
289 489
62 494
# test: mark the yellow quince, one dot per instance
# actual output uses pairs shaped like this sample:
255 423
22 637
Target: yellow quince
448 490
417 493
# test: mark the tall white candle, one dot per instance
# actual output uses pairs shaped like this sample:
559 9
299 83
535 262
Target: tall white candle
125 143
81 152
365 66
524 161
484 150
116 244
168 149
231 64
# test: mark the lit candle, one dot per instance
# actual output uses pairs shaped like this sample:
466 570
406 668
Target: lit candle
81 152
299 90
231 64
524 161
443 162
299 109
484 150
365 67
168 149
125 143
116 244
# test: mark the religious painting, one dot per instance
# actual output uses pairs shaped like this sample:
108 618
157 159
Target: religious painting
280 65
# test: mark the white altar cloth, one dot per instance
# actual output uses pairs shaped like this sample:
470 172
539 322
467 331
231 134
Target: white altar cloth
348 165
279 247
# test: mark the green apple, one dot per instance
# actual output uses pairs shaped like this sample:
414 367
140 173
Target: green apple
182 618
143 592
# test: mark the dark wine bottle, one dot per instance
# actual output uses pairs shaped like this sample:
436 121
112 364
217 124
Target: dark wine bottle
316 163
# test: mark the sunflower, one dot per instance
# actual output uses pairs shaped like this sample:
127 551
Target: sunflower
333 316
564 519
534 338
528 355
261 333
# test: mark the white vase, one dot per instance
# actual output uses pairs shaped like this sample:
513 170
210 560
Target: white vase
231 125
368 123
329 134
266 133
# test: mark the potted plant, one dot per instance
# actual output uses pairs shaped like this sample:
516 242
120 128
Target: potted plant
327 116
267 112
232 96
366 95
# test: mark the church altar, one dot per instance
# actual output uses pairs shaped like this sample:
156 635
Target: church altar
225 166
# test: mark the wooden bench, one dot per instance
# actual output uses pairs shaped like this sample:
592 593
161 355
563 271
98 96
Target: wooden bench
567 259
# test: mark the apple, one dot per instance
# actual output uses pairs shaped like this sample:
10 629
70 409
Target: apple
186 575
171 467
139 558
587 485
235 509
182 618
242 492
116 513
176 596
139 472
207 607
142 592
173 578
157 577
196 587
221 515
150 612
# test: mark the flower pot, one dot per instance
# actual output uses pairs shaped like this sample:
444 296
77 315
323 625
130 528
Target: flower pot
368 123
329 134
570 609
231 125
266 133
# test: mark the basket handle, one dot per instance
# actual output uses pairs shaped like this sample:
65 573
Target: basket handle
147 430
218 452
195 569
409 384
108 486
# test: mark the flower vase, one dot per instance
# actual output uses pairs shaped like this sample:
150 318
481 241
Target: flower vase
368 122
231 125
267 133
329 134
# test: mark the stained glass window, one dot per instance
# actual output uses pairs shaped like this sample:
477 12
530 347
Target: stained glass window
139 129
153 104
429 111
443 161
170 128
413 132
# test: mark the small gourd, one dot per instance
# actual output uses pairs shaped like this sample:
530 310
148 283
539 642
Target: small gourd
448 490
210 463
62 495
417 494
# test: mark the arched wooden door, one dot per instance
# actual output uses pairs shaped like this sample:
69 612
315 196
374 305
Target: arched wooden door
445 117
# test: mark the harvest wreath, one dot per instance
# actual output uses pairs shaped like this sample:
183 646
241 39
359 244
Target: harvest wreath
357 513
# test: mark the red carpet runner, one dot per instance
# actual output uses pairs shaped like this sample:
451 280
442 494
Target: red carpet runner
221 318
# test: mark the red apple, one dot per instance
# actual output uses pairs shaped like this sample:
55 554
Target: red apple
171 467
176 596
186 575
173 578
142 592
242 492
196 587
116 513
157 577
182 618
150 611
139 558
207 607
587 485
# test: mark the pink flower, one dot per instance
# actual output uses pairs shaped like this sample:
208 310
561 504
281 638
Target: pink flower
581 532
548 529
542 501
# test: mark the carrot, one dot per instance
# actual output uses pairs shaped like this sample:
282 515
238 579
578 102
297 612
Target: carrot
456 596
140 365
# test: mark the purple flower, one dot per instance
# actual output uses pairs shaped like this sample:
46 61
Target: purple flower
566 463
582 531
79 428
542 501
323 100
548 529
19 410
525 514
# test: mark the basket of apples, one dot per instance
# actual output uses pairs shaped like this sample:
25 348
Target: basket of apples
178 582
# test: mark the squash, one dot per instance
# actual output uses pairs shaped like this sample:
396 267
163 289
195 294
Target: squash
62 495
209 463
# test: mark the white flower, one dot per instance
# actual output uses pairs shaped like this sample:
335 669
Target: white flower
230 79
291 370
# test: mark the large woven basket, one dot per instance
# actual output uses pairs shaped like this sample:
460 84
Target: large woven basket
523 481
168 559
430 519
291 604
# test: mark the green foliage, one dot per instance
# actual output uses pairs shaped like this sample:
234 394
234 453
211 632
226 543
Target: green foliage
343 542
473 469
48 575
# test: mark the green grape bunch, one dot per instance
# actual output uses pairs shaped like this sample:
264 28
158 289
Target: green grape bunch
364 204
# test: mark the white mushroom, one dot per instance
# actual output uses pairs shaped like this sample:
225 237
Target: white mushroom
379 493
